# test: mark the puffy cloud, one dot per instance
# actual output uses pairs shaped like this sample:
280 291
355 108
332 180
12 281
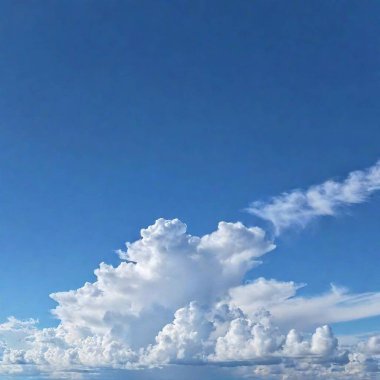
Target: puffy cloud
226 335
248 340
361 366
299 207
197 335
165 270
364 359
295 345
371 346
183 340
219 334
323 342
15 331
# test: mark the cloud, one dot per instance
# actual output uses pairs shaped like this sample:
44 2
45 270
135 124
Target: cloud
165 270
299 207
183 340
182 300
371 346
290 310
177 299
250 340
219 335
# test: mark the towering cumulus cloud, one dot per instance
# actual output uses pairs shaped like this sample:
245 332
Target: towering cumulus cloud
178 299
164 270
299 207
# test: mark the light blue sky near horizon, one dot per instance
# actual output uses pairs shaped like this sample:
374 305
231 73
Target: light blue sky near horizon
114 114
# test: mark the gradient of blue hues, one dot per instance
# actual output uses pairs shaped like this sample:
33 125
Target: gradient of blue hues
115 113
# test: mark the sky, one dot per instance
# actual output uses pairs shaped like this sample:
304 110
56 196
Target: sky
234 144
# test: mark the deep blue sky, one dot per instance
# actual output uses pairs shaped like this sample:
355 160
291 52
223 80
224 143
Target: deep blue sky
115 113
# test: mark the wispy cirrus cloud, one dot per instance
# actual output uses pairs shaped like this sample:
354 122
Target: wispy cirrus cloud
300 207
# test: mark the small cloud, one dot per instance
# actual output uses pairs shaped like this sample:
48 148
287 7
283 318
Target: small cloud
299 207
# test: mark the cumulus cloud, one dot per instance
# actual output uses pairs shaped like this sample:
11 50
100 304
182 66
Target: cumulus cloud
371 346
219 335
247 339
183 340
299 207
165 270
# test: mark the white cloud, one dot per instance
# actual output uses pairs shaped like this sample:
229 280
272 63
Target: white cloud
323 342
183 340
197 335
299 207
262 293
290 310
248 340
170 269
371 346
221 335
182 299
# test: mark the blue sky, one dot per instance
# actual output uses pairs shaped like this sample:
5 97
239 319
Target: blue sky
117 113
